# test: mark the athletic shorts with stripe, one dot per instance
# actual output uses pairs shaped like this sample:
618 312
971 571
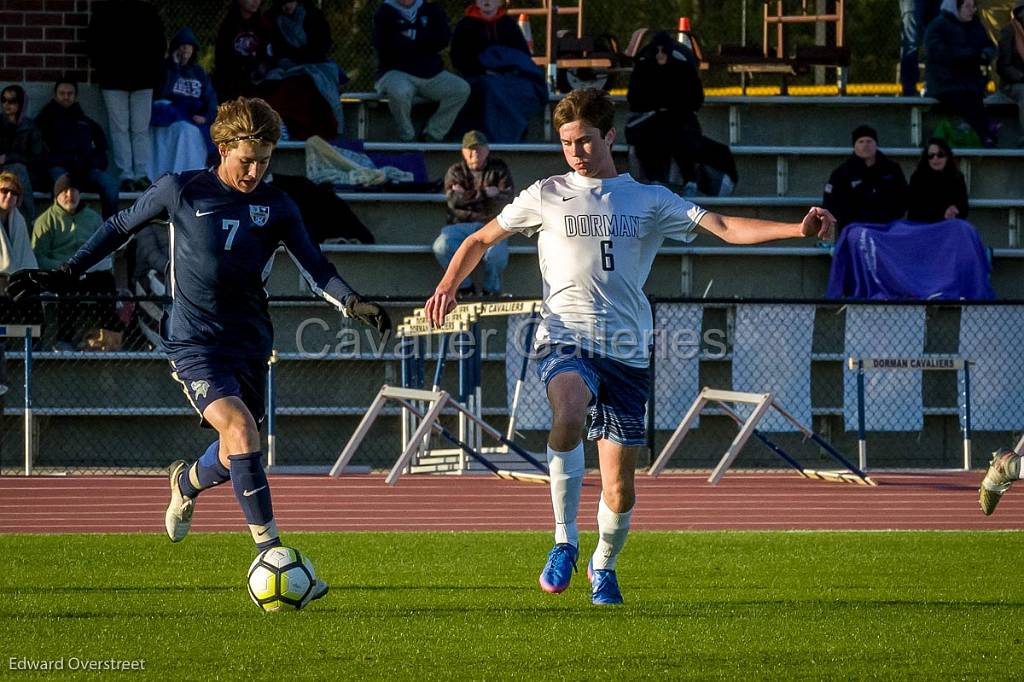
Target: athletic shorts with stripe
619 392
206 378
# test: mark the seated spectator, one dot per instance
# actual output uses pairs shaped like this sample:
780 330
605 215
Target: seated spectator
665 93
128 69
151 258
937 188
76 145
15 254
241 51
408 36
868 187
301 44
59 232
507 88
21 144
183 111
477 188
1010 63
957 48
15 246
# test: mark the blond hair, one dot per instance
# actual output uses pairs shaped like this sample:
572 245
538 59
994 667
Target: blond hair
9 178
245 119
589 106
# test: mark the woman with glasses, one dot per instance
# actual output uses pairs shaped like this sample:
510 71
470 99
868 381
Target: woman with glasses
15 247
937 188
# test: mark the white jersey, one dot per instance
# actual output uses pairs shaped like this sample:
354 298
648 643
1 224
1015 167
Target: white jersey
597 239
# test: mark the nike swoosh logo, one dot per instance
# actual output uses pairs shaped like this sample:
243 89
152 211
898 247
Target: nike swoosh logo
250 493
200 214
568 198
262 532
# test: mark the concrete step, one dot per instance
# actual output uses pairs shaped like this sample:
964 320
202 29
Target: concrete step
769 170
750 120
417 218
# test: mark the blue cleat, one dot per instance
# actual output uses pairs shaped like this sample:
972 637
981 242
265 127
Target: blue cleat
604 586
559 569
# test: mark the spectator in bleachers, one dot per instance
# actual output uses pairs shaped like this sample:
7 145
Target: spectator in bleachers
507 88
1010 63
665 93
76 145
58 233
21 144
915 15
126 44
183 111
242 50
938 190
408 37
15 254
868 187
957 48
15 247
477 188
301 45
149 279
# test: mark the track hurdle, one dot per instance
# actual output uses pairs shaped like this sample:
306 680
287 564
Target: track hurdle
928 363
762 402
422 408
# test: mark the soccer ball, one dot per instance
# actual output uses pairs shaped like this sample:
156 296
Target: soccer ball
280 579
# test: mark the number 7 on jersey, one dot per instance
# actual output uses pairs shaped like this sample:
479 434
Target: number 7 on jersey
232 227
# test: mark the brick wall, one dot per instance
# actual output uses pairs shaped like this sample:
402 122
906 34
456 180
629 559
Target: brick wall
43 39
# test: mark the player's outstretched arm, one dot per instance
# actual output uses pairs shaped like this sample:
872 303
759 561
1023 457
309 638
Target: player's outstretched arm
463 262
28 283
818 222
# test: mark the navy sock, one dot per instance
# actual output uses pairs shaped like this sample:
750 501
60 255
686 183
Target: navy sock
253 494
206 472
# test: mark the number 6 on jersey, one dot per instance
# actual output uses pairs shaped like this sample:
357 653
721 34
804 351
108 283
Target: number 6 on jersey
607 259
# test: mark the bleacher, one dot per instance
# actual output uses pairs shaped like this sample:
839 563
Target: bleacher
785 148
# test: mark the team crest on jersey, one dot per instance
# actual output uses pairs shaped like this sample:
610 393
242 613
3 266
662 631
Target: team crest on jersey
259 214
200 388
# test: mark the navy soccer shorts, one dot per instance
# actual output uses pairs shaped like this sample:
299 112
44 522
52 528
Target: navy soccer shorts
206 378
618 406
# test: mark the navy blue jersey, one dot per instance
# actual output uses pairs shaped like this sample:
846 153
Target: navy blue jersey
221 245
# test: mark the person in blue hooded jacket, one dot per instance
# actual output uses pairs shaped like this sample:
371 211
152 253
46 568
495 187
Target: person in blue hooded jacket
183 110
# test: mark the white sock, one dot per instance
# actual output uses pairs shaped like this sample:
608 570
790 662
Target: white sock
566 469
612 529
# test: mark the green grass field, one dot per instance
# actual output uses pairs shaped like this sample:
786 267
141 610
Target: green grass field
892 605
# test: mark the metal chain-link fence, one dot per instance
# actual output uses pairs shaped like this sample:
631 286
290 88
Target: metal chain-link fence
872 30
102 400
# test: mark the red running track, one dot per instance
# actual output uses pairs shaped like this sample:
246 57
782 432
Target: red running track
741 501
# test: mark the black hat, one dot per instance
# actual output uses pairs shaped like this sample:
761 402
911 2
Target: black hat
62 183
863 131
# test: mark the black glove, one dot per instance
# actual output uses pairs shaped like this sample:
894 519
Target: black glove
28 283
369 313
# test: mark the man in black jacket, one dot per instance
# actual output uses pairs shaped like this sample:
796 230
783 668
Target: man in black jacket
76 145
408 36
868 187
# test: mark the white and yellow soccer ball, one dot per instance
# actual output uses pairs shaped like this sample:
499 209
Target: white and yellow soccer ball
280 579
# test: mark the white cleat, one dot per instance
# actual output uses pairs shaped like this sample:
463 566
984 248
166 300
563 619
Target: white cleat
319 590
178 518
